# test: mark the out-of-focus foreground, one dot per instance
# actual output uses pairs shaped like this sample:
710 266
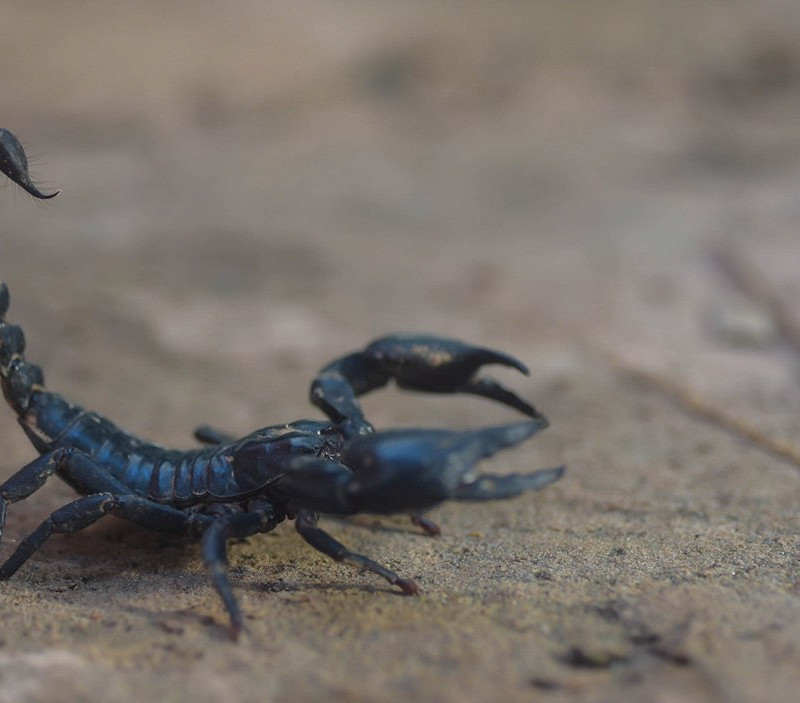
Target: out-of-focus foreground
606 190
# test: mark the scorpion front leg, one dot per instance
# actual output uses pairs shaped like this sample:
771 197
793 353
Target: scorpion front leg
402 471
306 524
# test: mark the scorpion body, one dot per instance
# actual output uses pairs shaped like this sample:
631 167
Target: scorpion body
233 488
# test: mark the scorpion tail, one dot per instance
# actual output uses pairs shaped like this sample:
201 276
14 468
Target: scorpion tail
18 377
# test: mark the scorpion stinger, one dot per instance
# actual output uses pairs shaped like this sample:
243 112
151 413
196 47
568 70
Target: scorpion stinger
233 488
14 164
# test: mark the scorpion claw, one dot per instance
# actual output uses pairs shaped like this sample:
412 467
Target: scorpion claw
416 469
489 388
14 164
411 470
435 364
495 487
416 362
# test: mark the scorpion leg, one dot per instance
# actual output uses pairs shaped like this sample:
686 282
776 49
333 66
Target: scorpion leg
82 472
26 481
306 524
215 553
87 510
211 435
32 477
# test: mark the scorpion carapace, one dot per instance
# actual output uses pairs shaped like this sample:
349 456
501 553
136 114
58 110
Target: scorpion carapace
233 488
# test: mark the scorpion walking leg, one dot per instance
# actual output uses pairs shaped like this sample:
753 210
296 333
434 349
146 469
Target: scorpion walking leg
32 477
87 510
107 495
306 524
215 554
26 481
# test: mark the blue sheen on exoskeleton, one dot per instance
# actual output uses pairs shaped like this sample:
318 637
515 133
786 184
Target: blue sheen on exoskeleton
232 488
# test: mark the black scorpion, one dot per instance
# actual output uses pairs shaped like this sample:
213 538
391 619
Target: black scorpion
234 488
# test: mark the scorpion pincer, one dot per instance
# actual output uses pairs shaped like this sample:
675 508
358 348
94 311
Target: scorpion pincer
232 488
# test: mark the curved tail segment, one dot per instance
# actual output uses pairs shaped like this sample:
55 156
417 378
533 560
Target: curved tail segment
14 164
18 377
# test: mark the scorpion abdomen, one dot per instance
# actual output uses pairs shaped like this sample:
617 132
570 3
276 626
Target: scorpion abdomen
170 476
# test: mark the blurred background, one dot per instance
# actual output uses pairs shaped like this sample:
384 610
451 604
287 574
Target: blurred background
522 172
606 190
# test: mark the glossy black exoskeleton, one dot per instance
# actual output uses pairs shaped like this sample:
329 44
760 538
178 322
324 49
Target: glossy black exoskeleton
233 488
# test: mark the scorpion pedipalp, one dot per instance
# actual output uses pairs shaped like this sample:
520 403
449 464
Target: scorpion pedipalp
412 470
424 363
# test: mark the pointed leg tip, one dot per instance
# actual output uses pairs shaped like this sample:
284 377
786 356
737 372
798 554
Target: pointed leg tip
429 527
408 587
432 529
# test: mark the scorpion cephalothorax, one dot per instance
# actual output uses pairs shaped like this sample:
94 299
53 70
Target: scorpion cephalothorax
233 488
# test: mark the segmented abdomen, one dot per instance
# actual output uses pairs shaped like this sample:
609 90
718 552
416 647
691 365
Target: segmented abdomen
164 475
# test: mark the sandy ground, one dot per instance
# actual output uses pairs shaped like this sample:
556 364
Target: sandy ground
252 189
